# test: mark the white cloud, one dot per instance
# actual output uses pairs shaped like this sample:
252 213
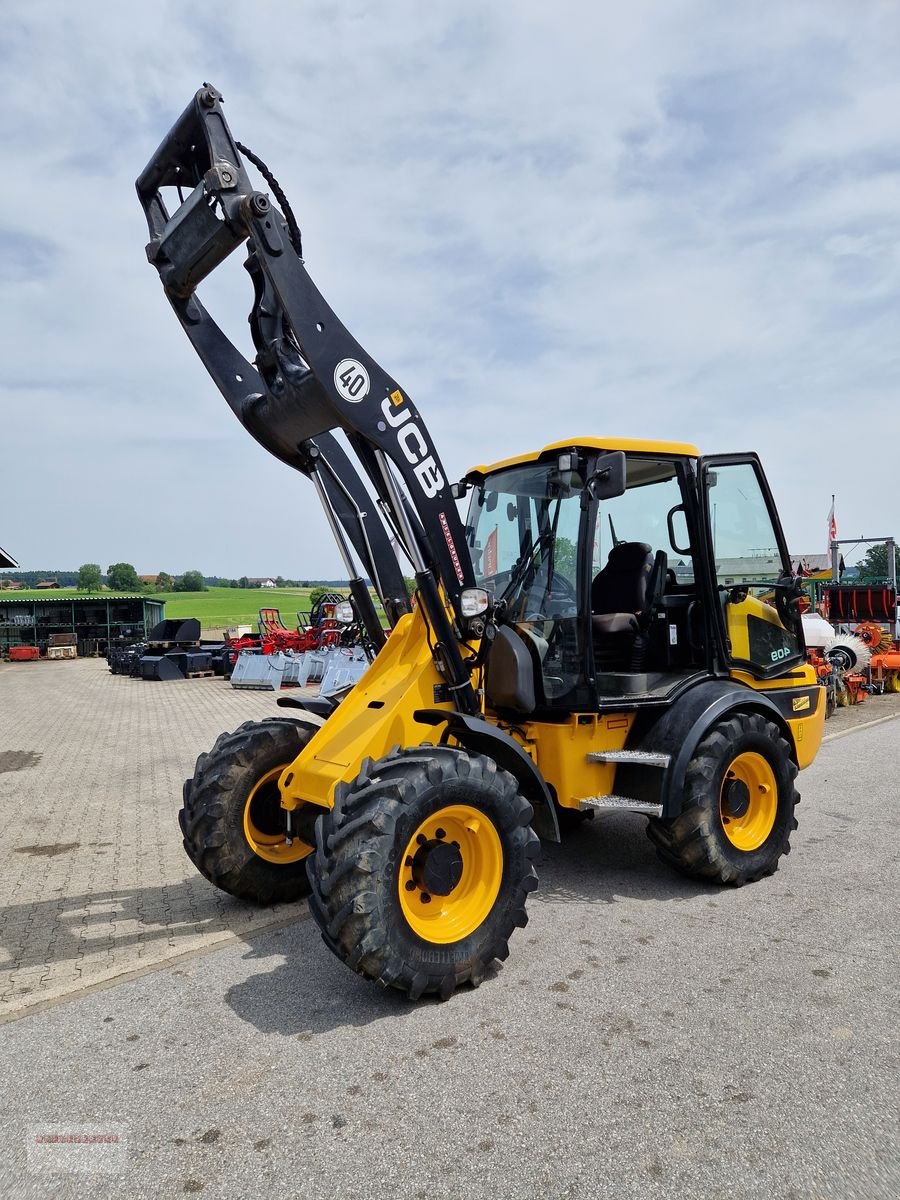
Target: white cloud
674 221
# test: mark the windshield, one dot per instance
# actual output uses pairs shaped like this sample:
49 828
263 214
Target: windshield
523 537
523 533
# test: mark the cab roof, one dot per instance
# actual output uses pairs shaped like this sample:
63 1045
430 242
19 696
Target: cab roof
629 445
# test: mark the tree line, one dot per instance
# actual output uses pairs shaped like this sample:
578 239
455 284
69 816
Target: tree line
122 577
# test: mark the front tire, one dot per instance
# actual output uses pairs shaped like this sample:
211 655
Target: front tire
738 811
232 822
423 868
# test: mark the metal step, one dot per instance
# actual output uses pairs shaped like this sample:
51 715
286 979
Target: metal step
620 804
640 758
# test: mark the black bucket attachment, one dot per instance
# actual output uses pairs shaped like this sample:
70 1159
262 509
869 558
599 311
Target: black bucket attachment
161 666
197 662
180 632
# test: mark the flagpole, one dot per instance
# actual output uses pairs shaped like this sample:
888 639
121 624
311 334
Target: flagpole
833 546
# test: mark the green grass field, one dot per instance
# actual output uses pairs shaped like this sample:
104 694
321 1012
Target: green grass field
216 608
219 606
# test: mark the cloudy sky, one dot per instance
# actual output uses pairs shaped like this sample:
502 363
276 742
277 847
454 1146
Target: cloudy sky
676 220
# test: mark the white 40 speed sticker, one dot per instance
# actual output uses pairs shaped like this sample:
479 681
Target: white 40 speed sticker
351 380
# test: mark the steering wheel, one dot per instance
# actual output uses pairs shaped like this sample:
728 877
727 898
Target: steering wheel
562 596
564 589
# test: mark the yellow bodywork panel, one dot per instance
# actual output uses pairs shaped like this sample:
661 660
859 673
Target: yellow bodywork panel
806 718
807 734
561 750
375 717
736 620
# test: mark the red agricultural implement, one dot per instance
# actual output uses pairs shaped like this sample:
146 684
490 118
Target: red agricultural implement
865 602
316 629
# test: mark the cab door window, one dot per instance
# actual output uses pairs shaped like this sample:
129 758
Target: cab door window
750 560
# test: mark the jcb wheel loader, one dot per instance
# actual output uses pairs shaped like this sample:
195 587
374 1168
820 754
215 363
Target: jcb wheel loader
582 641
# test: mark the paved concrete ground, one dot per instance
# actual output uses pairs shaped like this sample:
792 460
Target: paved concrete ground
95 882
648 1037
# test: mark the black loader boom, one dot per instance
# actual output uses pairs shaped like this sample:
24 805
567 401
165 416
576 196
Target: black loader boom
310 376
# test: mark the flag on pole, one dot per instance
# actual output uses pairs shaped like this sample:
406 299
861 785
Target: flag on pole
832 526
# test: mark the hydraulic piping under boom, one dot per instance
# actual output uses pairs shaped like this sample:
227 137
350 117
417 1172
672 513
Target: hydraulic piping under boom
310 376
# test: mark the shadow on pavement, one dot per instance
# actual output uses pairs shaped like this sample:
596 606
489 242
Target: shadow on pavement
312 992
608 859
67 928
599 863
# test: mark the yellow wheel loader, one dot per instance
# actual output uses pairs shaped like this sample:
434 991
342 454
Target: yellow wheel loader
583 640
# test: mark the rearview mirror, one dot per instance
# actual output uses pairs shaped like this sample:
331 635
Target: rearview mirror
608 479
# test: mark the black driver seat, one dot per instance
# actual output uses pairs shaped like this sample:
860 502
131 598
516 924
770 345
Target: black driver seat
622 598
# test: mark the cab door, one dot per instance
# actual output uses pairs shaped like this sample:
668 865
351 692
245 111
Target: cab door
758 621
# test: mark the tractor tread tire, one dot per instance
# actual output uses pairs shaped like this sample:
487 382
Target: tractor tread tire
354 871
211 820
694 842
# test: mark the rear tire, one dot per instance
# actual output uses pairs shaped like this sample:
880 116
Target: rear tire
232 822
423 868
738 810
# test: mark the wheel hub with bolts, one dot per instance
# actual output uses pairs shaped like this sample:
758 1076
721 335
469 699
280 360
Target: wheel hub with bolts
437 866
748 801
450 873
735 798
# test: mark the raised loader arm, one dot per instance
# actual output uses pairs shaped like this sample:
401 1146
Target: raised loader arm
310 376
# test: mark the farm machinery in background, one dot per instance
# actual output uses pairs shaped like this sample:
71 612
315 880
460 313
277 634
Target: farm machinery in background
851 639
329 647
173 650
316 629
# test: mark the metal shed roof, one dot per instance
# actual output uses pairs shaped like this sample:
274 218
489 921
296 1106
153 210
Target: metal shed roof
52 595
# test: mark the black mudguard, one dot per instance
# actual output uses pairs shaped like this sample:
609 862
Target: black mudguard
481 737
679 729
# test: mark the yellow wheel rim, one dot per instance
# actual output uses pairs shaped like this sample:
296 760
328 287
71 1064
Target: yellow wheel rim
748 801
264 823
450 874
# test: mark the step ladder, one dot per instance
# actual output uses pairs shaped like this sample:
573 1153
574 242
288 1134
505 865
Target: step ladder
613 803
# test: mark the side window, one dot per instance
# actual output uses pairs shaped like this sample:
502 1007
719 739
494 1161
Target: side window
745 545
649 511
748 564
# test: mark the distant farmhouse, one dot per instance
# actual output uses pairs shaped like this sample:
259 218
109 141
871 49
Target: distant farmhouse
264 582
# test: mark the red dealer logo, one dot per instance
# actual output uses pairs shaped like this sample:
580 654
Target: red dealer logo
448 538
